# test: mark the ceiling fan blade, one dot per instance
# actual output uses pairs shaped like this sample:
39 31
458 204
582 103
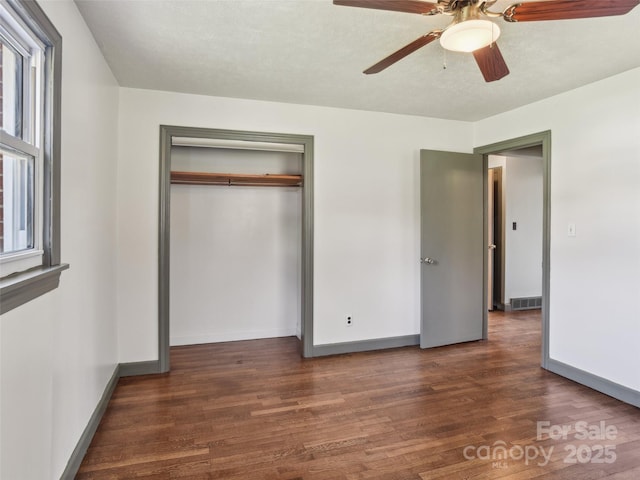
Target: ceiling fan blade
403 52
408 6
491 63
567 9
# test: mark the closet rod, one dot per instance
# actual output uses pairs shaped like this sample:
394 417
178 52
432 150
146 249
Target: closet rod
235 179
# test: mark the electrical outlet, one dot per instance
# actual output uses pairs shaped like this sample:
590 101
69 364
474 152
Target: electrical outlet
349 321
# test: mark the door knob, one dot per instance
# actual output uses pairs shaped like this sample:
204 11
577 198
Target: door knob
427 260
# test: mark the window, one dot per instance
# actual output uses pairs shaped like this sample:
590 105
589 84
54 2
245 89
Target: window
21 156
30 49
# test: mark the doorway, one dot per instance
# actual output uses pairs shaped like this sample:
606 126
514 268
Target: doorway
240 140
536 145
454 275
514 217
235 244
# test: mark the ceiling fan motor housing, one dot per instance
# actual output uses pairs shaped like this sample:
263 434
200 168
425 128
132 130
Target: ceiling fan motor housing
468 31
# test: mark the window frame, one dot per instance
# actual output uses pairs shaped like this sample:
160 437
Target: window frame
21 287
22 259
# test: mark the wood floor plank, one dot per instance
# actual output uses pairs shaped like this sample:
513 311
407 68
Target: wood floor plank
256 410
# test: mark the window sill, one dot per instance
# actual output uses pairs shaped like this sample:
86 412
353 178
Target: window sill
18 289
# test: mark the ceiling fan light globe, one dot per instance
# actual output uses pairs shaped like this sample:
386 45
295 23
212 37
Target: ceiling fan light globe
469 35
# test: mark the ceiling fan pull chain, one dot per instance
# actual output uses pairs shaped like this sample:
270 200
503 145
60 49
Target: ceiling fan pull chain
444 59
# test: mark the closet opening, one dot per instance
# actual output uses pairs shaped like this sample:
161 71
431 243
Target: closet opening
235 237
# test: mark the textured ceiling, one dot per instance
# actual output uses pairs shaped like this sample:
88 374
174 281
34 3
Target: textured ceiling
312 52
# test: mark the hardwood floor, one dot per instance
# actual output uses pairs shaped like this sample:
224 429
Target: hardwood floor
256 410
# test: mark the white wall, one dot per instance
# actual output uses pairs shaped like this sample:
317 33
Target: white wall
595 173
523 262
59 351
366 208
235 251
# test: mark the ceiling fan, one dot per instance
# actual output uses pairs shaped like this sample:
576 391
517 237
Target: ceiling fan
471 31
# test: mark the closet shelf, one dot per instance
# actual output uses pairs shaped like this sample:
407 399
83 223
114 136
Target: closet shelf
206 178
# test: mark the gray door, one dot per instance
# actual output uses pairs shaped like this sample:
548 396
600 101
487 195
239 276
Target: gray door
452 247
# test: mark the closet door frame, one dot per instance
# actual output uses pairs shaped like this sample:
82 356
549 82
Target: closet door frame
167 132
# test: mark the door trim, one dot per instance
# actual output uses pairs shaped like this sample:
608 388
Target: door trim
544 139
491 207
167 132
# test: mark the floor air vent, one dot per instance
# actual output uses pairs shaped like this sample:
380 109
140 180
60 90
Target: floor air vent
526 303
